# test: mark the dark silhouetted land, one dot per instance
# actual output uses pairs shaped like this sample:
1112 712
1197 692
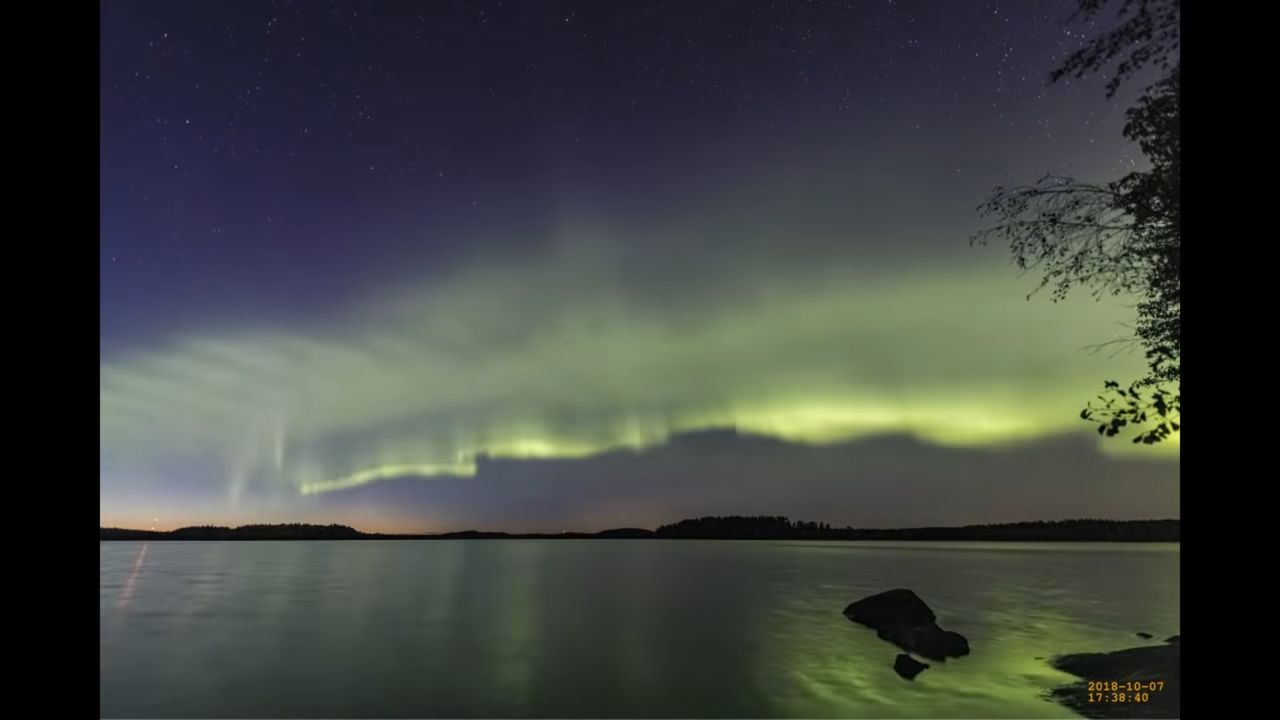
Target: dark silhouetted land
733 527
1137 671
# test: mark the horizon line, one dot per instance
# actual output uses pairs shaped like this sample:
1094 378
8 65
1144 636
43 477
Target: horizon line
644 529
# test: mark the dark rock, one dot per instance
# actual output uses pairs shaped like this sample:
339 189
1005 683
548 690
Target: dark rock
1130 664
1144 636
955 644
1173 639
1162 663
902 618
892 607
908 667
930 641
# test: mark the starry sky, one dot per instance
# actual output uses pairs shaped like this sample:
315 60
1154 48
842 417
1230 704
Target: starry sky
573 265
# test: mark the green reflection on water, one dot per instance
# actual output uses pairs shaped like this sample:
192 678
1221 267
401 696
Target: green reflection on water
606 628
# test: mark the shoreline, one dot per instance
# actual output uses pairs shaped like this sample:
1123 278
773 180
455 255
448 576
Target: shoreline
561 537
1129 678
710 528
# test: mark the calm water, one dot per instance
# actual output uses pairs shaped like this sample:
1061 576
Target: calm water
489 628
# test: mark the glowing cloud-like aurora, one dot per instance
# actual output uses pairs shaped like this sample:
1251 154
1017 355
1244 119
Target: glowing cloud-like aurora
571 355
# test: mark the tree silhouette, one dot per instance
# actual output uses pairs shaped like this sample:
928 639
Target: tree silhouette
1149 31
733 527
1122 237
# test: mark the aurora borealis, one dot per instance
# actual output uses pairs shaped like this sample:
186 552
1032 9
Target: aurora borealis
523 265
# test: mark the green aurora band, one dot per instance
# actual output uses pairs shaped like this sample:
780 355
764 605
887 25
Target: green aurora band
569 354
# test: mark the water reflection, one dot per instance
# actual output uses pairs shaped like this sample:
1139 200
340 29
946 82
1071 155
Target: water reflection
131 582
602 628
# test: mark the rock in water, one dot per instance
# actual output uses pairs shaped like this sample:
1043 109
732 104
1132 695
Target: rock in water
892 607
1144 636
908 667
930 641
902 618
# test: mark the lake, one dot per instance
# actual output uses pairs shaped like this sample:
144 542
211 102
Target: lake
605 628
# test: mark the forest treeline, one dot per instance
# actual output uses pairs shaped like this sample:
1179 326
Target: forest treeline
730 527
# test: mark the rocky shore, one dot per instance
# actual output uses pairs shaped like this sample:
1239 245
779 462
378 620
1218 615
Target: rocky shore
1140 665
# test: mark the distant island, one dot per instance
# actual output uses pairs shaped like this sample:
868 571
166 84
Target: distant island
733 527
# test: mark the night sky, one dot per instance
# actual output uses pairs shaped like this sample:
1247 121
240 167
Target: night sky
572 265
